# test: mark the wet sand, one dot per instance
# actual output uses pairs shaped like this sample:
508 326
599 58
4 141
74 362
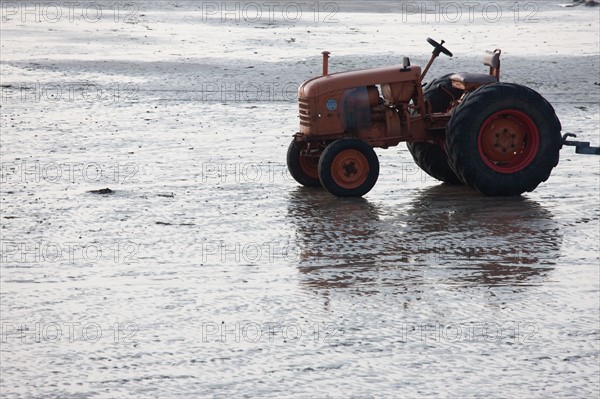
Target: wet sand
207 271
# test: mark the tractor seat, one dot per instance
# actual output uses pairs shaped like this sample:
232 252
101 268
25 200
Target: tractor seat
468 78
472 80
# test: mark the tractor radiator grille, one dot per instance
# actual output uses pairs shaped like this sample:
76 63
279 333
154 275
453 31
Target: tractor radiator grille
304 112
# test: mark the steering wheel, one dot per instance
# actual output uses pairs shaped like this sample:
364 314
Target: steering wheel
438 48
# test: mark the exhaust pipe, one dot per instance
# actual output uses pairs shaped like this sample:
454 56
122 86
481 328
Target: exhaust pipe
325 62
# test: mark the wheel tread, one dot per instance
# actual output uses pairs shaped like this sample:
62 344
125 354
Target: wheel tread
459 137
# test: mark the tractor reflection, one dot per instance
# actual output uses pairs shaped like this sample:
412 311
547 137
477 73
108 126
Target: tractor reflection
446 234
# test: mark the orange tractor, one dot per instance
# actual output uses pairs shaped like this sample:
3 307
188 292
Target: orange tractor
498 138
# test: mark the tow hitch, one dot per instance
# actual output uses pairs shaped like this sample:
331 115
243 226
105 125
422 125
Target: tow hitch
581 147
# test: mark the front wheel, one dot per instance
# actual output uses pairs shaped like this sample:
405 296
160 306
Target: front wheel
303 168
503 139
348 168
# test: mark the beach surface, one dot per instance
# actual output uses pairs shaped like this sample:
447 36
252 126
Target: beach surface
207 271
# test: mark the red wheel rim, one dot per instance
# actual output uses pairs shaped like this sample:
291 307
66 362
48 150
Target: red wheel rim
350 169
309 166
508 141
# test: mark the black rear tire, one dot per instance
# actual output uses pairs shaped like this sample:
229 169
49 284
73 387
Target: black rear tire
430 157
503 139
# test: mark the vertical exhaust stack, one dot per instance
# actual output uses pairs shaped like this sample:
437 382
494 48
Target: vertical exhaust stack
325 62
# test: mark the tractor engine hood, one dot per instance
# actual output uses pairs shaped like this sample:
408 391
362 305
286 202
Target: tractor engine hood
336 82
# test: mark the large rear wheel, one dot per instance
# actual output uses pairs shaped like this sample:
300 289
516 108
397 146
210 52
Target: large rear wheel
503 139
431 157
348 168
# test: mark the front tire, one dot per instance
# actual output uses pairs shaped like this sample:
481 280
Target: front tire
503 139
348 168
302 168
